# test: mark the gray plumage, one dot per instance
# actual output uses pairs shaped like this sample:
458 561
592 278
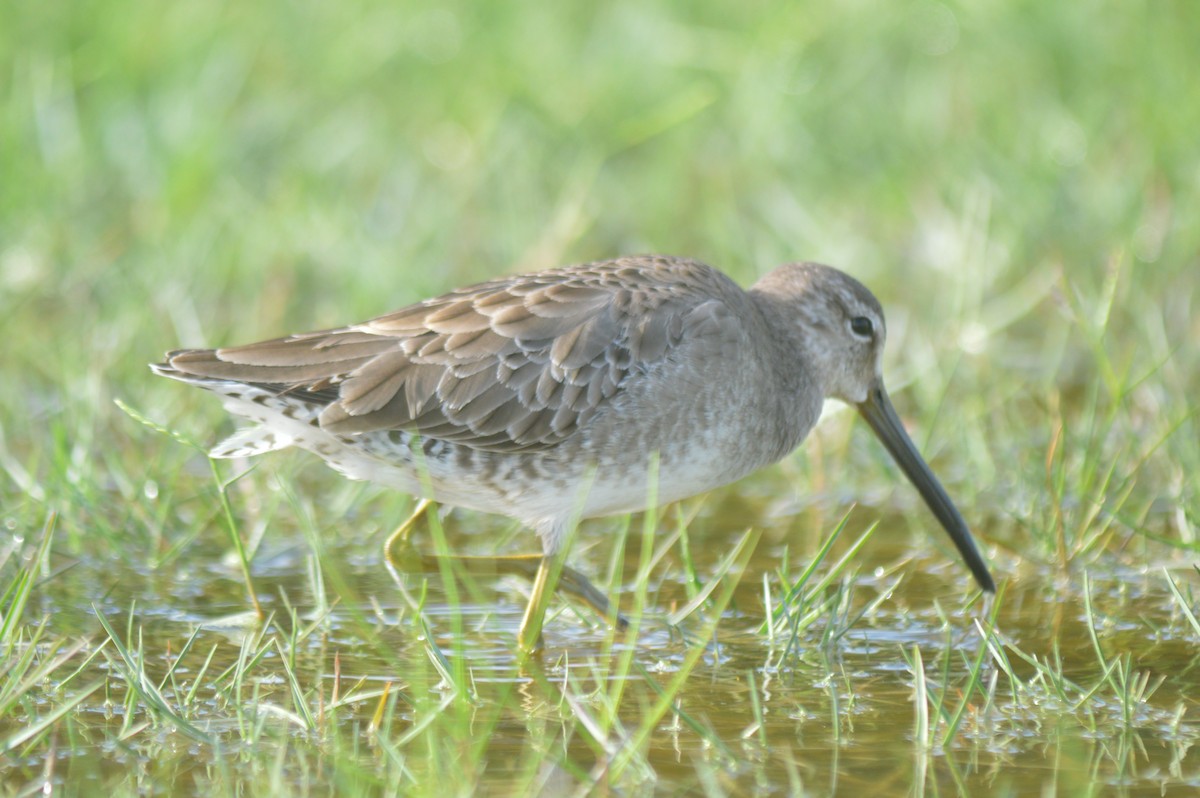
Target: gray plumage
558 394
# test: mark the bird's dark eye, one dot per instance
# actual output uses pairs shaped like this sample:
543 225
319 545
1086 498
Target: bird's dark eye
861 325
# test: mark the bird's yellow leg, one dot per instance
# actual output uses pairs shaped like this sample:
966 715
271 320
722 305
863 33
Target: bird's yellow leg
570 581
400 537
529 636
401 556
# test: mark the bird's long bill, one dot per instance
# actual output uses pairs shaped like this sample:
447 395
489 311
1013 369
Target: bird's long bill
878 411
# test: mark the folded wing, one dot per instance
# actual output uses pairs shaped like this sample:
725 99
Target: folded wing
515 364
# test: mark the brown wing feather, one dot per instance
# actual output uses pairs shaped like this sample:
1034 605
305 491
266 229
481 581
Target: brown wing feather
514 364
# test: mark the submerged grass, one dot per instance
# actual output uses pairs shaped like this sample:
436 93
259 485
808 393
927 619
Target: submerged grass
1015 181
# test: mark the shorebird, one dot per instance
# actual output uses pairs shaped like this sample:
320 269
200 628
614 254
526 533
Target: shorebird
557 395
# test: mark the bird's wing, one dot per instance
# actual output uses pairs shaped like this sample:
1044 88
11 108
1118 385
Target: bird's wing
515 364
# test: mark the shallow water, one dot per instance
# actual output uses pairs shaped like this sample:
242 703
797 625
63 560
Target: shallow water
826 707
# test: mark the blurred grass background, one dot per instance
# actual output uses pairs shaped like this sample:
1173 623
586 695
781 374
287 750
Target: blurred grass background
1017 181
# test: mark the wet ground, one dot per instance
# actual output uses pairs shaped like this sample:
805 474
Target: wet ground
889 678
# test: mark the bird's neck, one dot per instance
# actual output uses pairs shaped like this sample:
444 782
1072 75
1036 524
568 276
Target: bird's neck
787 360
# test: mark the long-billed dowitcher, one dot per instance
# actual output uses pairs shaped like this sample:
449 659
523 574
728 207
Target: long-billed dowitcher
553 396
